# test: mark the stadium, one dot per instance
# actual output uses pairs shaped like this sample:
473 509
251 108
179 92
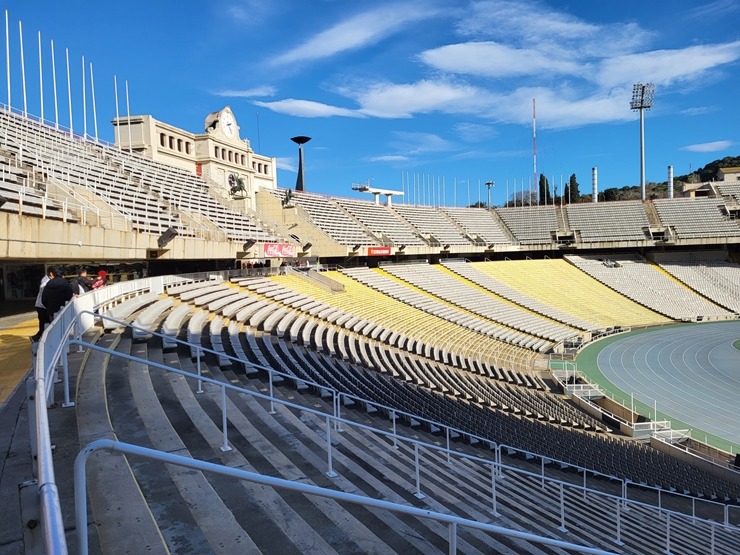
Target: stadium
275 370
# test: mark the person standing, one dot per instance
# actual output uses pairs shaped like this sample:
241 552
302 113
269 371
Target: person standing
82 283
57 292
41 309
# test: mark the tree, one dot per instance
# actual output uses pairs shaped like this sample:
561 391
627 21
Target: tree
545 196
572 194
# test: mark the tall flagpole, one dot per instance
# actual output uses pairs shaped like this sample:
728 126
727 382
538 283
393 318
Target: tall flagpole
84 102
534 150
41 81
7 55
23 70
54 78
69 94
128 120
117 130
95 111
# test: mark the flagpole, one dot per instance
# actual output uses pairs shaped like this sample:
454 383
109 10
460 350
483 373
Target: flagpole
95 111
128 119
41 81
117 130
54 78
23 70
7 55
69 94
84 102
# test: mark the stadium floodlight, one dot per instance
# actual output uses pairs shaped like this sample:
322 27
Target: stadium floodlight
489 184
643 96
300 140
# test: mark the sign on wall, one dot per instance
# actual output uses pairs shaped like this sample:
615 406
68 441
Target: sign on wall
280 250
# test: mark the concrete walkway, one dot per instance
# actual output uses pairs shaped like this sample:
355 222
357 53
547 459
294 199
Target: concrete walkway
15 346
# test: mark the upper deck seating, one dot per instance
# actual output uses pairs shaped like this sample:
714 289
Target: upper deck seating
729 189
696 217
530 224
330 218
479 223
608 221
382 221
432 223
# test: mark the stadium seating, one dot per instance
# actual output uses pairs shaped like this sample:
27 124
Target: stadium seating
608 221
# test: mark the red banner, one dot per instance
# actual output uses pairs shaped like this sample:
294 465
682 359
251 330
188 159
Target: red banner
280 250
378 251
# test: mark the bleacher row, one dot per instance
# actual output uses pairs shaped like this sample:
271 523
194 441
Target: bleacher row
506 406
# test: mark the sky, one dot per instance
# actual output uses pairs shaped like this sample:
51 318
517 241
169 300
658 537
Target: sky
432 98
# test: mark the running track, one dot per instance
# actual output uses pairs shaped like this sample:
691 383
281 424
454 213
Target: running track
692 371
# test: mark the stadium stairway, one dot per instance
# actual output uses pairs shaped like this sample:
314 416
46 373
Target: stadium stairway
180 510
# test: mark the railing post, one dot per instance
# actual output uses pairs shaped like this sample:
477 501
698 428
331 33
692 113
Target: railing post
562 527
693 510
200 382
225 447
452 534
447 432
395 437
542 470
65 366
417 471
330 473
338 411
494 500
711 538
668 532
499 462
618 539
624 495
272 394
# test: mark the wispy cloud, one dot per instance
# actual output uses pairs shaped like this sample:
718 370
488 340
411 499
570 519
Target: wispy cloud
697 110
714 146
287 164
667 66
307 108
389 158
265 90
474 132
358 31
491 59
413 143
718 8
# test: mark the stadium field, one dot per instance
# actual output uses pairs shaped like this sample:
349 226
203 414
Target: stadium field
690 372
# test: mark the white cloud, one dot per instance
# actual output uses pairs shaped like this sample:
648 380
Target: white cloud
667 66
356 32
265 90
389 158
714 146
474 132
412 143
388 100
287 164
491 59
718 8
698 110
307 109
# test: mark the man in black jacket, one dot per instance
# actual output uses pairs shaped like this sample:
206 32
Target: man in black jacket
56 293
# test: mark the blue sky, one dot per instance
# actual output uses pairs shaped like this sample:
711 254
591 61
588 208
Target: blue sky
438 89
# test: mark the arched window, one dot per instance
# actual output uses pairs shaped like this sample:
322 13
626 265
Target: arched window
162 139
172 142
187 147
215 152
179 145
243 160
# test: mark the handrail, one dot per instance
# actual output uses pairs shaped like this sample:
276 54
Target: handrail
80 483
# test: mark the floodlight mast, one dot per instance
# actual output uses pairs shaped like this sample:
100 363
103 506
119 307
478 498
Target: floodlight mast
643 96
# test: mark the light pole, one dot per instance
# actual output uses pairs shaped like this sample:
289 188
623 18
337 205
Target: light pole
642 99
489 184
300 141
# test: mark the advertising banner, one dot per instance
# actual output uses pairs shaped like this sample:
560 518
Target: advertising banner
378 251
280 250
